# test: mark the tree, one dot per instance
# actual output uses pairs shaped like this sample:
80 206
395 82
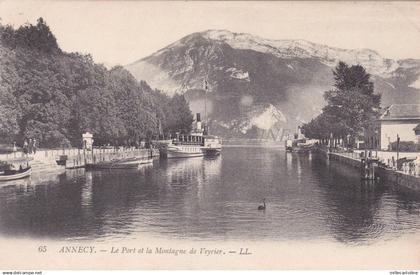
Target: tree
7 36
352 102
9 127
135 105
38 37
54 96
179 116
351 106
9 111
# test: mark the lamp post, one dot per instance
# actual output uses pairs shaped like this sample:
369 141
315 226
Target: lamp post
365 142
348 142
330 142
376 142
398 149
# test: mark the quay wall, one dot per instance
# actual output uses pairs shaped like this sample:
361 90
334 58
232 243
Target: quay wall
409 181
46 159
349 160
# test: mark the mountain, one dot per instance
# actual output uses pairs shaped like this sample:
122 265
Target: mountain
255 83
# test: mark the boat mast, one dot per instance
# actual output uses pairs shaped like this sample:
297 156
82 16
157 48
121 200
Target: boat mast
205 100
206 86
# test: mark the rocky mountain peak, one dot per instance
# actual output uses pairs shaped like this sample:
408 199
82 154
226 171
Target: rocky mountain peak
370 59
256 81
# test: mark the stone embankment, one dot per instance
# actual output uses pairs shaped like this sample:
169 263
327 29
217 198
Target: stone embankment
45 161
383 171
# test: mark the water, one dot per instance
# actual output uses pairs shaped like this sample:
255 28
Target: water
213 199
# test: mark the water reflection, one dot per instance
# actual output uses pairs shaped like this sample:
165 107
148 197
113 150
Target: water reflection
213 198
361 211
353 204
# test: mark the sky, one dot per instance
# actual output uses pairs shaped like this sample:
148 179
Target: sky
121 32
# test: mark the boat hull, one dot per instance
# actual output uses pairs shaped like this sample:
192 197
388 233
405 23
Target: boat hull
182 151
191 146
171 155
212 151
16 176
126 164
301 150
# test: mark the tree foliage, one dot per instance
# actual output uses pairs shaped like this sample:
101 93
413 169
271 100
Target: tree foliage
178 114
55 96
351 106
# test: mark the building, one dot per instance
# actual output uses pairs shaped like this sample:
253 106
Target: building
417 132
402 120
87 141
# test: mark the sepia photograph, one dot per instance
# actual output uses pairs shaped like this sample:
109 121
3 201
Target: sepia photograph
209 135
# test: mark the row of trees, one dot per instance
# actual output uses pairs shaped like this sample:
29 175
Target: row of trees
55 96
352 106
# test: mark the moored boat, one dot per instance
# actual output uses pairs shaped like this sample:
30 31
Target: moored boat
120 164
302 149
300 144
196 144
183 151
15 174
205 146
212 145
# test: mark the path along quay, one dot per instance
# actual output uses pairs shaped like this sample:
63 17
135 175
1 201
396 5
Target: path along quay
384 165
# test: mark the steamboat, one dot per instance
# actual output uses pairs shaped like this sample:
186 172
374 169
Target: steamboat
300 144
197 144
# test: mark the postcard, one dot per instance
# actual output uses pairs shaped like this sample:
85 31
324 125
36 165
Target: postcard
209 135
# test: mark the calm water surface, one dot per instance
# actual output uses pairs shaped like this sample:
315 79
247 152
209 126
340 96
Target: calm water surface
212 199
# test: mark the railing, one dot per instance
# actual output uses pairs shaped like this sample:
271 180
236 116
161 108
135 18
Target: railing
353 155
51 155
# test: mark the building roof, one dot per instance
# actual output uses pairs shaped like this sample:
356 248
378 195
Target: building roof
401 112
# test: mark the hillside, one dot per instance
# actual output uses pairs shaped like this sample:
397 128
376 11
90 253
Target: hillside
254 79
